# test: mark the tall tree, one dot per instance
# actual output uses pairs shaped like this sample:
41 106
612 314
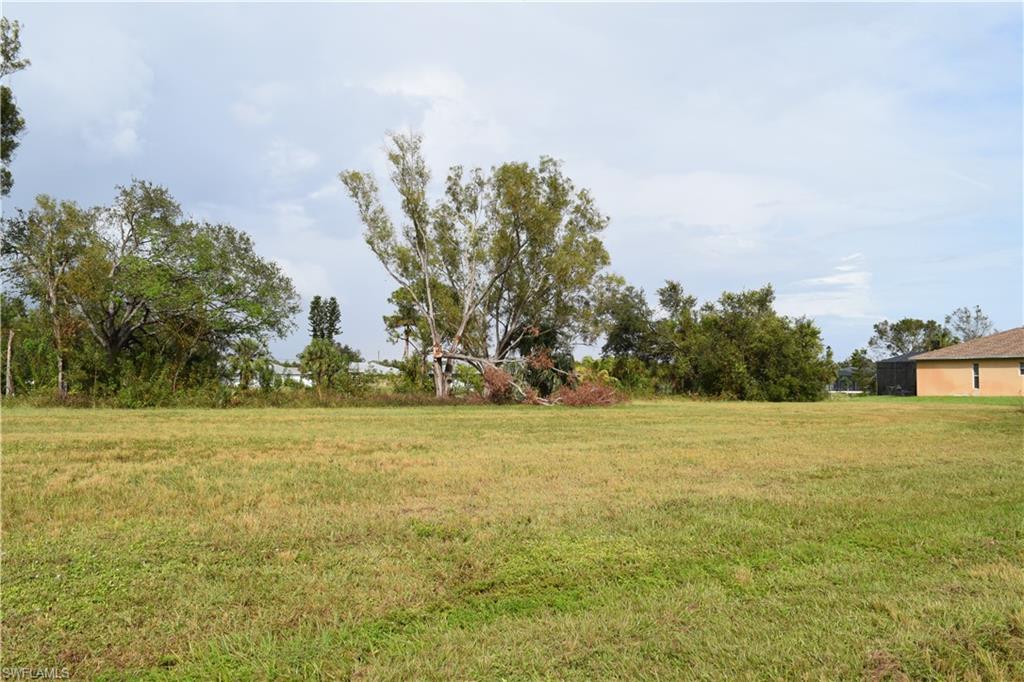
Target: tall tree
500 256
909 335
12 123
131 276
137 277
324 318
409 257
332 319
148 271
42 249
548 233
316 317
967 324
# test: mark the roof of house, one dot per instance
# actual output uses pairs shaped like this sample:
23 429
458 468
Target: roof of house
1008 344
906 357
286 370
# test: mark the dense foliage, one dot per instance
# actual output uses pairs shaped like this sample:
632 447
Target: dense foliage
737 346
134 297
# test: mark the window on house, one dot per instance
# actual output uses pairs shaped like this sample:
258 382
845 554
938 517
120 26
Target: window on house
1022 368
977 376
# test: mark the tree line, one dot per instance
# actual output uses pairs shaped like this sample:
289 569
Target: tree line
506 271
498 280
133 293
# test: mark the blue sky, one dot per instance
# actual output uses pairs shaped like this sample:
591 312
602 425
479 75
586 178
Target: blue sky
866 160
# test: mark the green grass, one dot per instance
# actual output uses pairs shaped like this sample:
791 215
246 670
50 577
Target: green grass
845 539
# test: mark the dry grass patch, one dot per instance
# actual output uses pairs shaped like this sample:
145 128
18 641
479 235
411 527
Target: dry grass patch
873 539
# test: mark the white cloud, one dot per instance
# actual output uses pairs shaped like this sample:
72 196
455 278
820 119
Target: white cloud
94 79
117 135
432 84
846 293
456 125
285 159
255 106
726 203
309 277
329 189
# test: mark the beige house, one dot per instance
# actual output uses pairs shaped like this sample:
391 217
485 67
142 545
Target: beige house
990 365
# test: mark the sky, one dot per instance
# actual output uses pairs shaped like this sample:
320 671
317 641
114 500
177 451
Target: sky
866 160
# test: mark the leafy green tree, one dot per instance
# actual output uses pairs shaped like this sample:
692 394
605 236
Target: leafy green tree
966 324
548 234
863 369
626 320
42 249
12 123
745 350
131 276
737 346
406 325
909 335
137 294
501 256
149 273
322 362
249 361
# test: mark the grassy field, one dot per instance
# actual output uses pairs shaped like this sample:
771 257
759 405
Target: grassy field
881 539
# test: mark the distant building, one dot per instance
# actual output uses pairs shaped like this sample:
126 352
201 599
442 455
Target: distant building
371 368
987 366
897 375
288 374
846 382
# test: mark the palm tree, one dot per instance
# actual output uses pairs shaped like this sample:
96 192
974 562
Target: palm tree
321 361
250 358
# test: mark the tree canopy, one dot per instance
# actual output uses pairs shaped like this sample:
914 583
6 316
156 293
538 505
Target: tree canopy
138 278
908 335
499 257
966 324
737 346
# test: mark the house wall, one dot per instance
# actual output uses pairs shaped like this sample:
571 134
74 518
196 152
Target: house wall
956 377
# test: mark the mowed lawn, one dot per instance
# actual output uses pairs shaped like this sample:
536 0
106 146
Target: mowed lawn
847 539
